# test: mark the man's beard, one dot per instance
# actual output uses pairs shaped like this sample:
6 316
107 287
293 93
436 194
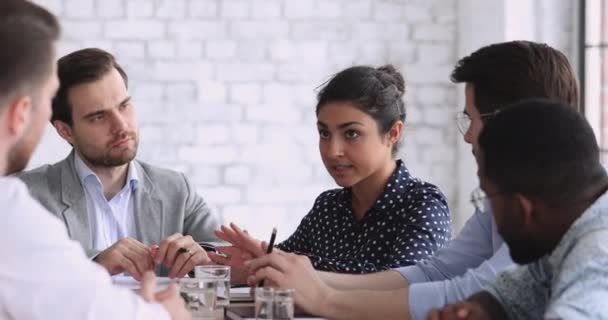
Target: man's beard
524 250
108 160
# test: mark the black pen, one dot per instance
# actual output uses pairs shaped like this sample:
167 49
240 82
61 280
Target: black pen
269 249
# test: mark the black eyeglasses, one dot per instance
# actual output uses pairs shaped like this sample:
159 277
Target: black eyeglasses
478 198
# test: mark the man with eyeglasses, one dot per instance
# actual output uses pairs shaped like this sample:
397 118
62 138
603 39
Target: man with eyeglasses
494 76
548 191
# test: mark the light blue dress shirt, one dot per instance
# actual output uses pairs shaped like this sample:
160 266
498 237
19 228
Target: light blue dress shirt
466 265
114 219
569 283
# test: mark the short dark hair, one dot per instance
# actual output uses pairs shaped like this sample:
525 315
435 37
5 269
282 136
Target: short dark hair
27 33
553 153
82 66
376 91
504 73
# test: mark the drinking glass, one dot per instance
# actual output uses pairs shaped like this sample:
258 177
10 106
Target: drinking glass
219 274
283 304
200 296
264 303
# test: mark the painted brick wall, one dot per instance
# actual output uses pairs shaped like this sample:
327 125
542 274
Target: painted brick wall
225 90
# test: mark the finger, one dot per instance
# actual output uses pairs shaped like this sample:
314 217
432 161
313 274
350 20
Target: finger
281 252
257 263
233 237
228 234
264 246
139 256
164 246
274 260
198 259
126 264
239 233
219 259
240 238
448 312
148 285
221 234
184 254
266 273
133 243
153 250
229 251
137 252
247 243
188 261
166 293
462 312
433 315
235 256
179 262
174 247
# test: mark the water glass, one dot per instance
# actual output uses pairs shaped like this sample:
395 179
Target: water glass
283 304
200 296
219 274
264 303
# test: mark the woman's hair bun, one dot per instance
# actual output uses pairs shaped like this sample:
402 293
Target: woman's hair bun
390 75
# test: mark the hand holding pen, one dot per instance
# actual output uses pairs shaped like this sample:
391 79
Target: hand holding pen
273 236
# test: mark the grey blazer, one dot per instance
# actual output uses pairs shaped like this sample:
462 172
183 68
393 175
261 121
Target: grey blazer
165 203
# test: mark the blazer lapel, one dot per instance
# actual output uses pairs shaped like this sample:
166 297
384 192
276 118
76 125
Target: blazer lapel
149 212
75 214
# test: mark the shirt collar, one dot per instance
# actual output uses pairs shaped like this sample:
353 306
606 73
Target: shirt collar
85 173
398 181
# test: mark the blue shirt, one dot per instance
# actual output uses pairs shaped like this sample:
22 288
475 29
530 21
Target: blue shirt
408 222
569 283
465 266
111 220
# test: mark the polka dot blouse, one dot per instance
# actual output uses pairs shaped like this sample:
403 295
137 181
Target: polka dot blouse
407 223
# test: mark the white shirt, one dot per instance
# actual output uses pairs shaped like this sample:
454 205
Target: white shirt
114 219
45 275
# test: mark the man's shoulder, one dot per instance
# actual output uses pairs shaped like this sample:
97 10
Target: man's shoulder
41 174
589 247
12 188
587 236
163 178
20 210
158 172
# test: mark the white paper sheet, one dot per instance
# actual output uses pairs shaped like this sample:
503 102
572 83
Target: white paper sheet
130 283
242 294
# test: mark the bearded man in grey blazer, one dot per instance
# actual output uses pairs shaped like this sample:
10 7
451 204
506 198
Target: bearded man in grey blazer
127 215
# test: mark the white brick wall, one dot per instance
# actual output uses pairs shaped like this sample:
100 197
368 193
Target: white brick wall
225 89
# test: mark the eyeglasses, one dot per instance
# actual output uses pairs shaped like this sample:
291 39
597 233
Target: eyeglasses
463 121
478 198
